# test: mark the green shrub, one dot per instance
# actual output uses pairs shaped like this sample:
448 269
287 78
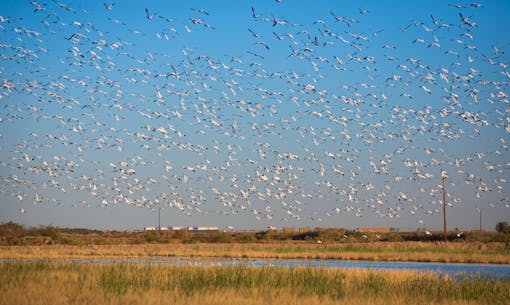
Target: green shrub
503 227
151 236
393 237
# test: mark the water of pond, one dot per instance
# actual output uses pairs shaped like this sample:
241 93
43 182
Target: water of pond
455 270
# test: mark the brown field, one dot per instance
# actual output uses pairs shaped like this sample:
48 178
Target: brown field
495 253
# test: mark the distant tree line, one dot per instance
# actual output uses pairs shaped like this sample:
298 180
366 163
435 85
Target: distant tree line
503 227
15 234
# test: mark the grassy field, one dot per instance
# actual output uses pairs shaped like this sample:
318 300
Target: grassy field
496 253
65 283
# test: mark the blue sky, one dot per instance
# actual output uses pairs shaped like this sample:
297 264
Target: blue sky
254 114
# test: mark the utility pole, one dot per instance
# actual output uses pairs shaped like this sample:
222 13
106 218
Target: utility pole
480 220
159 219
444 175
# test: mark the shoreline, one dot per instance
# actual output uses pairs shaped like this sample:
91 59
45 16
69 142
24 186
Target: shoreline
395 252
162 260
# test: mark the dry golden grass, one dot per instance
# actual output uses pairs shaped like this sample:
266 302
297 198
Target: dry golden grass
35 294
496 253
65 283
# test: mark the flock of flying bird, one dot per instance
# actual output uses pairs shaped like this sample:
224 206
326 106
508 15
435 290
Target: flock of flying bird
310 121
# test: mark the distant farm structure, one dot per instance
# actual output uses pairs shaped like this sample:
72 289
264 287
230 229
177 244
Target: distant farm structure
285 230
189 229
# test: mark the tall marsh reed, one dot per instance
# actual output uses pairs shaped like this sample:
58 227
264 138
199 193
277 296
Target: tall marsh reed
67 283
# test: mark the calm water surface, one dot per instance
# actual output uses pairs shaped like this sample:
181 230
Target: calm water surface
453 269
